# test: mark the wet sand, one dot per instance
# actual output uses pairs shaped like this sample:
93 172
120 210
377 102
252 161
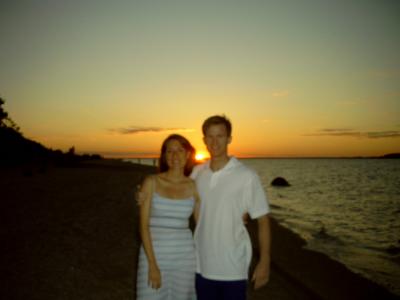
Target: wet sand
72 233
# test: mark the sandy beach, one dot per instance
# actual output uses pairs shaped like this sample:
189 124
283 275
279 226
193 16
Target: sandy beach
72 233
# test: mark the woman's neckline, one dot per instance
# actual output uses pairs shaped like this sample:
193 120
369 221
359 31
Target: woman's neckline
173 199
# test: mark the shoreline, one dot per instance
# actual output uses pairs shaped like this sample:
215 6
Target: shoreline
71 233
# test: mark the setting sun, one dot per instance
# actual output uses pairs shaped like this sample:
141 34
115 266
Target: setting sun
201 156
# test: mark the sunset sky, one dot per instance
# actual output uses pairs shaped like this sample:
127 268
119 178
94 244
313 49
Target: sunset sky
296 78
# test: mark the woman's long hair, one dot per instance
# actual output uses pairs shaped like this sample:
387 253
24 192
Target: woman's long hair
190 162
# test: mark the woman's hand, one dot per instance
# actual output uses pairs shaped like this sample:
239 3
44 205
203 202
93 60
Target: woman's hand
154 277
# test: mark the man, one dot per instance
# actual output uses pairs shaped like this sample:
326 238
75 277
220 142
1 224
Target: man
228 190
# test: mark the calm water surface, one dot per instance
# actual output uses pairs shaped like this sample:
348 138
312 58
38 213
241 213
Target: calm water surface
348 209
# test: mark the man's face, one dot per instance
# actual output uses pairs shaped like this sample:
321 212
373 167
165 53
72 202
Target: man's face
217 140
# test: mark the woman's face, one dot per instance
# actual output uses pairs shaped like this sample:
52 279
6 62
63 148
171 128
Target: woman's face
175 155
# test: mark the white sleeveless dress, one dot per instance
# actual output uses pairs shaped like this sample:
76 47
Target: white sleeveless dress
174 250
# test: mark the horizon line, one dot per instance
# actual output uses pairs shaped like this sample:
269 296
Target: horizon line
151 156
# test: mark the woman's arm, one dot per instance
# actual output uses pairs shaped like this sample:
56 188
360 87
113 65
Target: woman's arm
154 276
196 211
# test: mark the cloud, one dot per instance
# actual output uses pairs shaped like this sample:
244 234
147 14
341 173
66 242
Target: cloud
386 73
280 94
348 102
336 130
358 134
143 129
383 134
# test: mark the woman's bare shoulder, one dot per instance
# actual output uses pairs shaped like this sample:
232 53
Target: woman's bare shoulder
148 181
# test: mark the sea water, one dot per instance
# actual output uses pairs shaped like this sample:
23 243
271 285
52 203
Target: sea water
348 209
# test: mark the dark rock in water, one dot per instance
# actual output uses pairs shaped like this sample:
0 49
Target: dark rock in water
392 155
280 181
393 250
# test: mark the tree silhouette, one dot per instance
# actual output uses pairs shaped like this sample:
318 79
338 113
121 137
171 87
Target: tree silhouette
3 114
5 120
16 149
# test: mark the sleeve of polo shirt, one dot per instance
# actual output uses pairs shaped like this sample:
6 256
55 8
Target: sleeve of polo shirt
255 197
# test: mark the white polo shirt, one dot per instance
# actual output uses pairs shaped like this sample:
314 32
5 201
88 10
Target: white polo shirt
223 247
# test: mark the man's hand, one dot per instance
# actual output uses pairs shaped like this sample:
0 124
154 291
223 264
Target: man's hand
139 195
245 218
261 275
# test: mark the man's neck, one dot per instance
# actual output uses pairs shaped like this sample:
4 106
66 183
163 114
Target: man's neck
217 163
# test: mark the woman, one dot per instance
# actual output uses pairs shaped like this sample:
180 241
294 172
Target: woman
167 258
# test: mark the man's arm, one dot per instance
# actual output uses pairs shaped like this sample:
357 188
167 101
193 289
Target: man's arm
262 271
